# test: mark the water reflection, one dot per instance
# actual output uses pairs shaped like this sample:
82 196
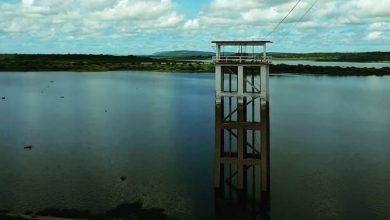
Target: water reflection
242 165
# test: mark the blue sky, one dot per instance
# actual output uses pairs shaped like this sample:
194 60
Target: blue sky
148 26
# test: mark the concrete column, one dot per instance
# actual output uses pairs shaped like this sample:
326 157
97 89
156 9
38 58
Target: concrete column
265 151
240 146
218 54
218 83
264 84
240 81
264 51
267 83
219 143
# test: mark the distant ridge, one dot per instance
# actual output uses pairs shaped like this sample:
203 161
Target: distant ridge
184 53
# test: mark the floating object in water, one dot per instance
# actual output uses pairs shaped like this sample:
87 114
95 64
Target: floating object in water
3 97
105 110
51 81
29 147
61 97
123 178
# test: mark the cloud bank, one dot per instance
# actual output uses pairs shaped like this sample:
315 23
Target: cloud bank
146 26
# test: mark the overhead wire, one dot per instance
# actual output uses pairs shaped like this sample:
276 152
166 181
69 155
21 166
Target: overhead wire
302 17
276 27
307 11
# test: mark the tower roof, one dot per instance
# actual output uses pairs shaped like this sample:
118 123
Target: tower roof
238 43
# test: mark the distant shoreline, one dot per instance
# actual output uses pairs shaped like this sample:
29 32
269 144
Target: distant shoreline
330 61
104 63
280 69
358 57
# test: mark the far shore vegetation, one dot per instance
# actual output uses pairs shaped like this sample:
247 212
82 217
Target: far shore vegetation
335 57
377 56
96 63
129 210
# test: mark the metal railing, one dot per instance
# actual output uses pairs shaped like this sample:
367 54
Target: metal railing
242 59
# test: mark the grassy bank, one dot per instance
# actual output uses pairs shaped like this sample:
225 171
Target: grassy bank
328 70
89 63
133 210
336 57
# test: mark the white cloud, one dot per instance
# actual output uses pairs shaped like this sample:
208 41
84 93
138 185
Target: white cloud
80 19
329 24
364 10
192 24
376 35
138 10
27 2
328 13
380 26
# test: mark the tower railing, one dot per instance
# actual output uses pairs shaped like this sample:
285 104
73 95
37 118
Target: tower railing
243 59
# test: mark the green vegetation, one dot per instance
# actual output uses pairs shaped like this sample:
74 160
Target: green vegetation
12 217
73 62
335 57
89 63
133 210
184 53
328 70
76 62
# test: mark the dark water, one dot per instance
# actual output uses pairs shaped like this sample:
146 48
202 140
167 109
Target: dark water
330 143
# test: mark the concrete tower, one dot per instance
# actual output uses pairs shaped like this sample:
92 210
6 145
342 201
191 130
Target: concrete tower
242 121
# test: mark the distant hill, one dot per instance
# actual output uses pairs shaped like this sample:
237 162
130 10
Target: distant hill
184 53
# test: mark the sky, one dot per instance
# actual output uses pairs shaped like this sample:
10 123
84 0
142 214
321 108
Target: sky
143 27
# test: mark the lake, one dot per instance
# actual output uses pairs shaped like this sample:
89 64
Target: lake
330 143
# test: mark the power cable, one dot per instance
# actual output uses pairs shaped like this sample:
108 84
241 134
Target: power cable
301 18
276 27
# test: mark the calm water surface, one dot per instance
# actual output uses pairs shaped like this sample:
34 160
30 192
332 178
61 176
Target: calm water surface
330 143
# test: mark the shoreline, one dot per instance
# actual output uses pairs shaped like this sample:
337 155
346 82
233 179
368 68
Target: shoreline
125 210
28 217
104 63
275 69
